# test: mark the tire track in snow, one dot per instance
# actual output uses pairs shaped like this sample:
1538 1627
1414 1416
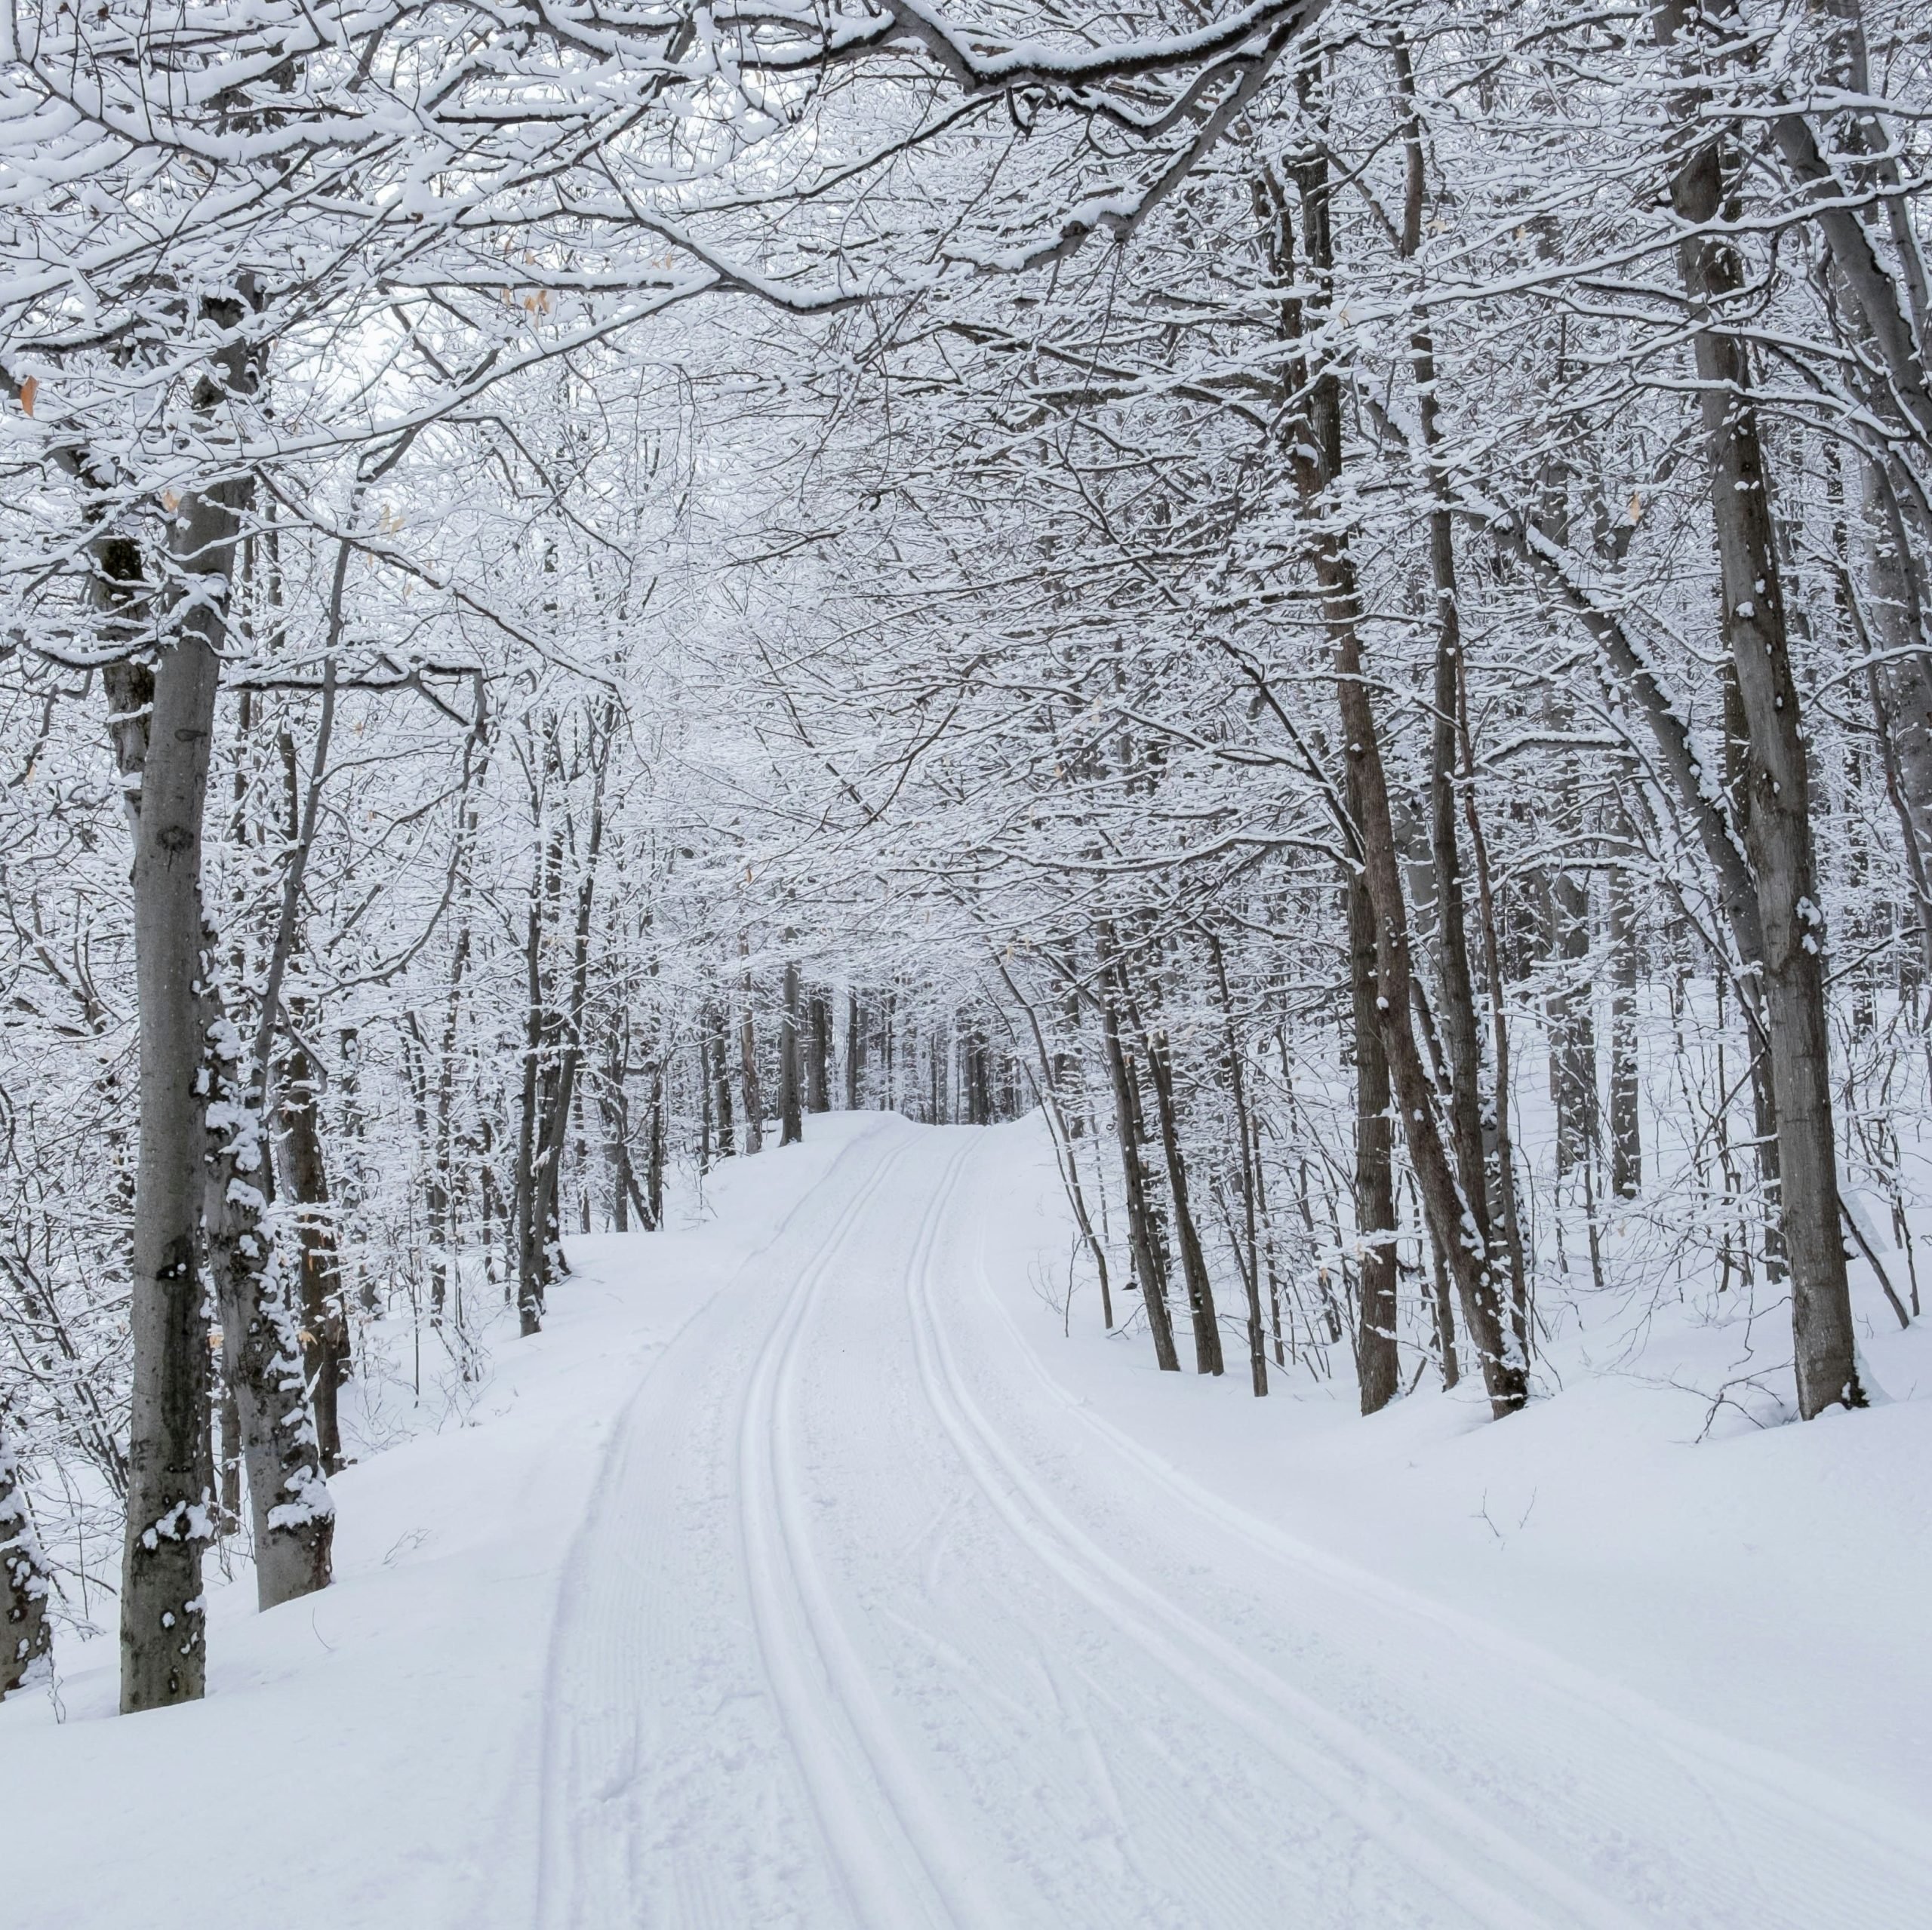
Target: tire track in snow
1352 1773
902 1864
588 1743
1871 1831
1025 1779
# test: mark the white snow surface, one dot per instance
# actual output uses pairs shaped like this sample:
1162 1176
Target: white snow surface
803 1572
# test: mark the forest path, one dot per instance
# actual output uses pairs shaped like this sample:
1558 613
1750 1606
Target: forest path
871 1623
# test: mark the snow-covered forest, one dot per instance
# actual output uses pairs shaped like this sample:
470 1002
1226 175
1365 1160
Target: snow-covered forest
1314 617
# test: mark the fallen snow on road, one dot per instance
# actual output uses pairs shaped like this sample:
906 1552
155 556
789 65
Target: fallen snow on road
803 1573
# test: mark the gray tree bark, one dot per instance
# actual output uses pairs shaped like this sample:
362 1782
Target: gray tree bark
653 1183
1208 1355
525 1205
1626 1154
747 1066
1314 458
263 1342
170 1508
1144 1240
614 1109
554 1042
791 1098
289 1503
855 1052
26 1636
1376 1368
1777 829
304 1174
720 1084
1478 1122
818 1062
1248 1252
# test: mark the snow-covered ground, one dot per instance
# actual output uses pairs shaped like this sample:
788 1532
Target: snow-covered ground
803 1573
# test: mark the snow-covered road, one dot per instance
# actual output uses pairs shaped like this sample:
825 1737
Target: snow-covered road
812 1571
871 1622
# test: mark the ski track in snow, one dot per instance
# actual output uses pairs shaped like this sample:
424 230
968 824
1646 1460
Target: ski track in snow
871 1623
1870 1831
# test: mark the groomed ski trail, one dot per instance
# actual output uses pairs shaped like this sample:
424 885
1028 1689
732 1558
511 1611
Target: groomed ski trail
870 1626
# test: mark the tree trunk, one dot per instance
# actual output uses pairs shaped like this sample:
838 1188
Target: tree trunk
324 1327
1478 1121
230 1467
170 1504
1313 455
289 1503
1777 828
1144 1235
748 1069
855 1052
1901 667
1889 620
1052 1067
977 1101
555 1043
704 1091
791 1126
613 1107
300 1164
1378 1370
1207 1358
584 1223
818 1060
442 1156
1573 1056
720 1084
529 1236
1250 1262
654 1165
1626 1157
26 1636
1461 1036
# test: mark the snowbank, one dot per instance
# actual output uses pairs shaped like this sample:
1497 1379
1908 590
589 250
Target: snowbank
361 1754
